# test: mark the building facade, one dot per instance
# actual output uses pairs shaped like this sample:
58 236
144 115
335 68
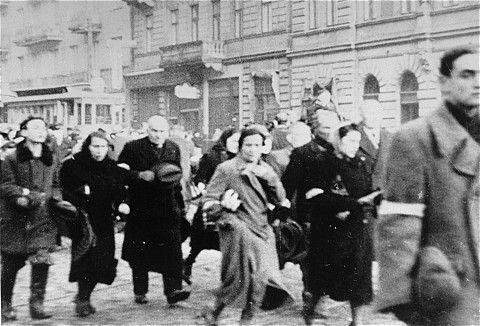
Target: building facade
64 61
210 64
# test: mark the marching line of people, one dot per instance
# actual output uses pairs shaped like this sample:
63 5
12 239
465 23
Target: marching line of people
332 196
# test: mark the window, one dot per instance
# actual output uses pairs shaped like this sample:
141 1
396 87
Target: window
369 9
21 64
386 9
408 97
216 19
331 12
238 17
103 114
74 58
267 16
406 6
312 14
266 104
148 32
371 89
194 10
88 114
174 26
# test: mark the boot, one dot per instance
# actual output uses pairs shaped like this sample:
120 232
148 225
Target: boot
84 308
37 291
247 313
309 303
9 274
211 316
8 313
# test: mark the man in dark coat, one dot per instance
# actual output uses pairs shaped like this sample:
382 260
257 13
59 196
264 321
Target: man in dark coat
306 175
27 183
375 142
152 232
428 222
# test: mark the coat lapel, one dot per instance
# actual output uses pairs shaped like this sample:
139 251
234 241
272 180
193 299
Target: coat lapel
366 145
251 179
463 153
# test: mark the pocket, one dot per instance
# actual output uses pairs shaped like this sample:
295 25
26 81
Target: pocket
437 285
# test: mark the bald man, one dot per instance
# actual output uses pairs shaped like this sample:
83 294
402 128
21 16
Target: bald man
152 232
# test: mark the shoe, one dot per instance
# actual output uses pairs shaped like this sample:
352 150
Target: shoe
84 308
177 295
141 299
247 314
8 314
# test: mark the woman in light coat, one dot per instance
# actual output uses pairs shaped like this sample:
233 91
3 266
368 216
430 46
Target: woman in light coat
240 190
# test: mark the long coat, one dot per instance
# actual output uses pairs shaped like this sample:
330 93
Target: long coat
250 270
308 168
375 158
152 231
27 231
341 251
428 227
107 186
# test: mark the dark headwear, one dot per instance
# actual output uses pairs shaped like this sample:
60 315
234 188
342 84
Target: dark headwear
167 172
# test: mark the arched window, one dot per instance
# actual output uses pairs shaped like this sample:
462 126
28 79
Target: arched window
408 97
371 89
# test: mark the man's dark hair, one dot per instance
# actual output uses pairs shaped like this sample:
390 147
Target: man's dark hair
23 124
449 57
344 130
249 132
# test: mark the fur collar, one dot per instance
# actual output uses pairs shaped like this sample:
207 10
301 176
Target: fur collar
24 154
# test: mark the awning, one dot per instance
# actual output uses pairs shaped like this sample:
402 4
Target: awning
160 78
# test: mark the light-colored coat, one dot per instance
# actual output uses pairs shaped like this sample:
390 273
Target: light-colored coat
250 270
428 226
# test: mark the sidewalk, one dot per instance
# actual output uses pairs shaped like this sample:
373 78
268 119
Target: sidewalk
115 303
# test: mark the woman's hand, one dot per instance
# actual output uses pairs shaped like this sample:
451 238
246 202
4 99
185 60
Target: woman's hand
147 175
369 199
230 200
343 215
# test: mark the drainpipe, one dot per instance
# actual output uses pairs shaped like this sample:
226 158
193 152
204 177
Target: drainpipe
353 41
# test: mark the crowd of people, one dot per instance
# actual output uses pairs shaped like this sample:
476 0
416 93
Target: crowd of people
346 193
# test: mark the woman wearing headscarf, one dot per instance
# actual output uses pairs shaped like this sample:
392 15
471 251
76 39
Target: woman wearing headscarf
96 186
341 249
238 193
201 238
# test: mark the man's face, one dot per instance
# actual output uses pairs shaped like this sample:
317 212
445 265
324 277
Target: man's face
252 147
35 131
463 86
157 131
325 123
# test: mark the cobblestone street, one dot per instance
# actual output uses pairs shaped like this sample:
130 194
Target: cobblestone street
115 303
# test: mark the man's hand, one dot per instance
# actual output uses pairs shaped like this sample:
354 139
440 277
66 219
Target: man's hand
343 215
313 192
368 199
230 200
22 202
147 175
124 166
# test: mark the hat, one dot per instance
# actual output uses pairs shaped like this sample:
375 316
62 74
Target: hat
290 240
167 172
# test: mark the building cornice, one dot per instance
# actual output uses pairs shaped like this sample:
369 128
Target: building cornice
309 52
255 57
449 10
328 29
394 19
255 36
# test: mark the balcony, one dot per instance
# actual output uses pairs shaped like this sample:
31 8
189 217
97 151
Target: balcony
141 4
51 81
210 54
84 22
38 35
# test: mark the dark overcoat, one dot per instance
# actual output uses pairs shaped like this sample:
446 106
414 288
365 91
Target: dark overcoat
341 251
27 231
152 231
308 168
429 223
107 186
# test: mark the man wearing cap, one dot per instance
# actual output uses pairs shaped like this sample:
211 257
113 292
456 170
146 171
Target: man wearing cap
28 231
152 232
